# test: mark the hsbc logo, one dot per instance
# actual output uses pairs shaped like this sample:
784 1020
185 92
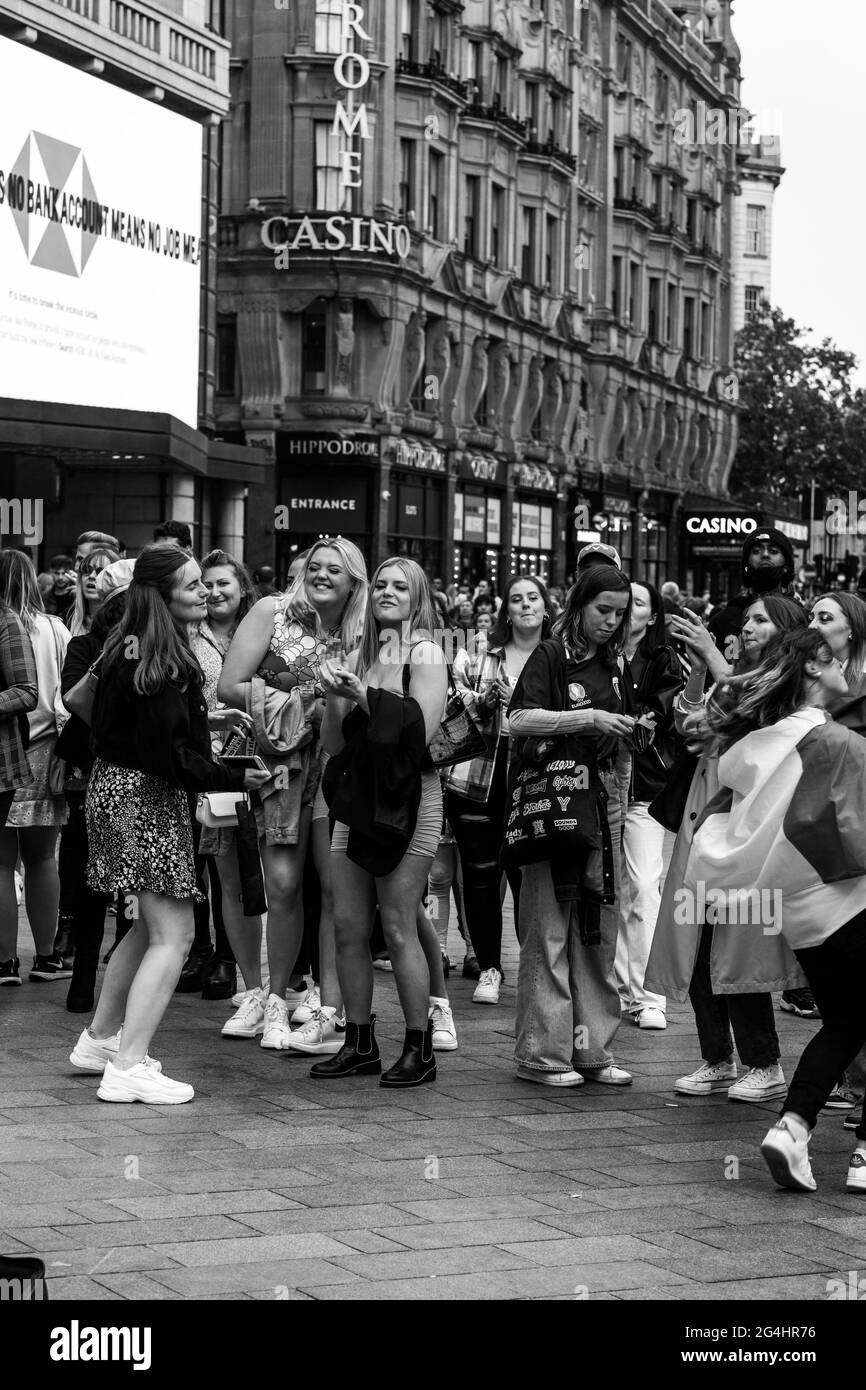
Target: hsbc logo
54 204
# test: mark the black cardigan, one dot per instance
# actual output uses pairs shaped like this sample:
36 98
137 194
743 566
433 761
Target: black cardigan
165 734
659 679
374 784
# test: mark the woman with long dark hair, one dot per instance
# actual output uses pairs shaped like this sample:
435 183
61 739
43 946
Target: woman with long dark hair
656 679
152 746
388 815
568 1004
477 791
788 822
728 974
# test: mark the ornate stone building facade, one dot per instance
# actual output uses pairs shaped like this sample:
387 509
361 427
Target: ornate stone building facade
474 287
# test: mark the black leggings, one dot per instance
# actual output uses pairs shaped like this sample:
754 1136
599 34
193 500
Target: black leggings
835 971
209 884
479 829
86 909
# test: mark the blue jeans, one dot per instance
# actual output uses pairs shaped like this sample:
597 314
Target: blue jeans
568 1004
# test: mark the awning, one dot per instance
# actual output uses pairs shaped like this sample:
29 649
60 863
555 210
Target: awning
97 438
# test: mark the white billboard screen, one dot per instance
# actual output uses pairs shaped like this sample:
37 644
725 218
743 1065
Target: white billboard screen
100 221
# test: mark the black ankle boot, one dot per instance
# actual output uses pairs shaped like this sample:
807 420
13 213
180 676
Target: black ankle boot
417 1064
219 979
359 1055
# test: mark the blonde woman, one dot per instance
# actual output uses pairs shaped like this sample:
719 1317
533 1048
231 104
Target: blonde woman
87 598
384 705
280 647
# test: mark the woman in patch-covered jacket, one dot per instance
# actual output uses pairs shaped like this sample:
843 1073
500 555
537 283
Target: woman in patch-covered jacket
476 790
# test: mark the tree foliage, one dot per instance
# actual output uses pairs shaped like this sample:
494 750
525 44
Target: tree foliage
802 416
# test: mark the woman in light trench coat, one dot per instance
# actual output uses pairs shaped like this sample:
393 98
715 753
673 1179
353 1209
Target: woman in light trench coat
728 971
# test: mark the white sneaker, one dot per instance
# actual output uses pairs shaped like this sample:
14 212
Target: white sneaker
550 1078
856 1181
306 1010
249 1020
444 1032
487 989
322 1036
142 1082
760 1083
276 1031
651 1018
787 1158
238 998
611 1075
716 1076
91 1054
296 997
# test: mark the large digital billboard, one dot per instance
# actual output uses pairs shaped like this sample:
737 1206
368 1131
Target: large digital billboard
100 222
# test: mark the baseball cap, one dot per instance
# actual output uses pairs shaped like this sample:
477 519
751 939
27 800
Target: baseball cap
606 554
114 579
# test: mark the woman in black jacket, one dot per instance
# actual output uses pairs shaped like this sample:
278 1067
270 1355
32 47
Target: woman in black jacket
654 678
152 745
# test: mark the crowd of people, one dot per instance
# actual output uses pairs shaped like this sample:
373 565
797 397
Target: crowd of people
211 751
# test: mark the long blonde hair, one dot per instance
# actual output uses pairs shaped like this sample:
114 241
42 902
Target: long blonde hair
421 623
351 624
80 620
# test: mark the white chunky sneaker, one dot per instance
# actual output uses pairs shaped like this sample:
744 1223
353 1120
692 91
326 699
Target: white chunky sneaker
91 1054
487 989
143 1083
238 998
249 1021
787 1158
709 1077
444 1032
276 1032
322 1036
651 1018
296 997
308 1009
759 1084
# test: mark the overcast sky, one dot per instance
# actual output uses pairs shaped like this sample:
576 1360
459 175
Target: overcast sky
807 62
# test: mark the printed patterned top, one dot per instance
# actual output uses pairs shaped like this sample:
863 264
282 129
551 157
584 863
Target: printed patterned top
294 654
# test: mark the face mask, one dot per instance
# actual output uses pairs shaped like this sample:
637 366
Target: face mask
765 578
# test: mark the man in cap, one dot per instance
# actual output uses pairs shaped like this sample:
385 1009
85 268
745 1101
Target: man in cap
768 568
597 554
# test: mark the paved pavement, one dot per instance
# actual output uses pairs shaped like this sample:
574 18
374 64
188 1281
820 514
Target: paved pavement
270 1186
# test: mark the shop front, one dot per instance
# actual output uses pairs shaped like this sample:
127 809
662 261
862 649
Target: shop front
325 487
417 504
713 534
533 520
479 506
